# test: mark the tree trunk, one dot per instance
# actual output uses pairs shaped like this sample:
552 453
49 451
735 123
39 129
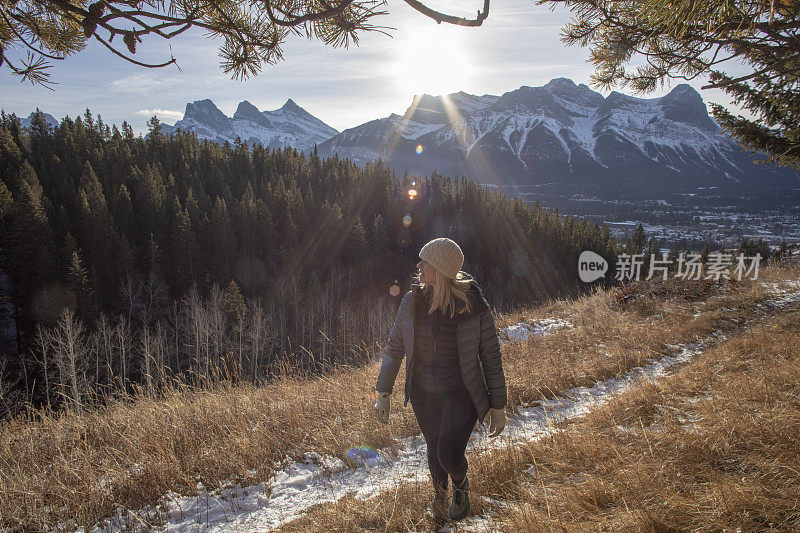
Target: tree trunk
146 349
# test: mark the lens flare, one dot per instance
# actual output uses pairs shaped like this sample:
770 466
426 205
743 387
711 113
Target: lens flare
404 237
407 220
412 193
419 149
394 290
363 455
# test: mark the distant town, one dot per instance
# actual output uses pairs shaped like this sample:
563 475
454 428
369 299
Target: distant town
708 215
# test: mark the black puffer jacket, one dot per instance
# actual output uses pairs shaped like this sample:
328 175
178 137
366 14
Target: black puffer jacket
478 351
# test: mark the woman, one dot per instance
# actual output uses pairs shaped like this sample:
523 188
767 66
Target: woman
454 374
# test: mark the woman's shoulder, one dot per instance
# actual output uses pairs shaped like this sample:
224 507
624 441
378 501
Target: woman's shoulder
407 296
405 301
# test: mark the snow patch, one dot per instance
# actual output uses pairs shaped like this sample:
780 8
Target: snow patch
523 331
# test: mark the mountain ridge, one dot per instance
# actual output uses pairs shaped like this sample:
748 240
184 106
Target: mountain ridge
560 132
288 126
48 118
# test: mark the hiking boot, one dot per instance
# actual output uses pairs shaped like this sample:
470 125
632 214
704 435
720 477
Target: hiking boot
437 510
460 505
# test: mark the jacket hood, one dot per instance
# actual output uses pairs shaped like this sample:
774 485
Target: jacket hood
475 294
478 301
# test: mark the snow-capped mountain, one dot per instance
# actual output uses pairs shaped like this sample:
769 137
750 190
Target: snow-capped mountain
560 132
50 119
291 125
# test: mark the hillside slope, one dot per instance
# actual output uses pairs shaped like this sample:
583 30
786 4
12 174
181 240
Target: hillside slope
238 457
704 440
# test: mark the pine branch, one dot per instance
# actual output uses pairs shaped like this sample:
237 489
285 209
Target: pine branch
450 19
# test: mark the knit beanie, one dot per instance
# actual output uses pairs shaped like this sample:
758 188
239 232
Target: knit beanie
445 256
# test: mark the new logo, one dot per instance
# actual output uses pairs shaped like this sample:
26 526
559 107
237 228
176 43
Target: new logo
591 266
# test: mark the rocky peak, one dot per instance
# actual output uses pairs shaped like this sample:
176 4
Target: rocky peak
562 85
205 112
684 104
426 109
290 111
613 101
291 105
247 111
291 108
48 118
532 98
581 94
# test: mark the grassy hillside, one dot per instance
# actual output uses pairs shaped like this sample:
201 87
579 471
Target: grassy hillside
63 468
711 447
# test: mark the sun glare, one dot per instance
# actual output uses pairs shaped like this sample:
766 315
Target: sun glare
433 60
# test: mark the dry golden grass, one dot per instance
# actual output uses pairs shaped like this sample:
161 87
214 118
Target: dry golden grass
713 447
56 468
62 466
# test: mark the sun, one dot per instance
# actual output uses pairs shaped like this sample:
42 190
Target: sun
432 60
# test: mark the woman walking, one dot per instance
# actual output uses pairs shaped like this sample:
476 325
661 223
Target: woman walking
445 331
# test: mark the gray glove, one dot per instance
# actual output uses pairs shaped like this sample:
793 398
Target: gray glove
382 407
497 421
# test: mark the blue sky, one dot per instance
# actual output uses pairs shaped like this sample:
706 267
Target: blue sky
519 44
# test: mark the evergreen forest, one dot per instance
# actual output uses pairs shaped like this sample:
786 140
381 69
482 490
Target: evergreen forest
129 261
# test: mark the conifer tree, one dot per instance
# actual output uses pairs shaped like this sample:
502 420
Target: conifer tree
32 252
380 237
252 34
221 241
674 250
123 211
7 209
11 157
637 241
78 281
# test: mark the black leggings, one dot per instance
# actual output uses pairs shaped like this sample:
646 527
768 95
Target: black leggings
446 420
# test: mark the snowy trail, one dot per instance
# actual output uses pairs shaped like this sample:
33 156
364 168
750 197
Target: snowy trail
318 480
302 485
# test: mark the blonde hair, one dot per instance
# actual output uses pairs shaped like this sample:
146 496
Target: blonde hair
445 292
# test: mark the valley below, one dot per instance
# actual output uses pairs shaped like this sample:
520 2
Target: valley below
719 216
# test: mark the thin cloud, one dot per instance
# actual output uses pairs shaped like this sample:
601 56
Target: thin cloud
161 113
143 83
